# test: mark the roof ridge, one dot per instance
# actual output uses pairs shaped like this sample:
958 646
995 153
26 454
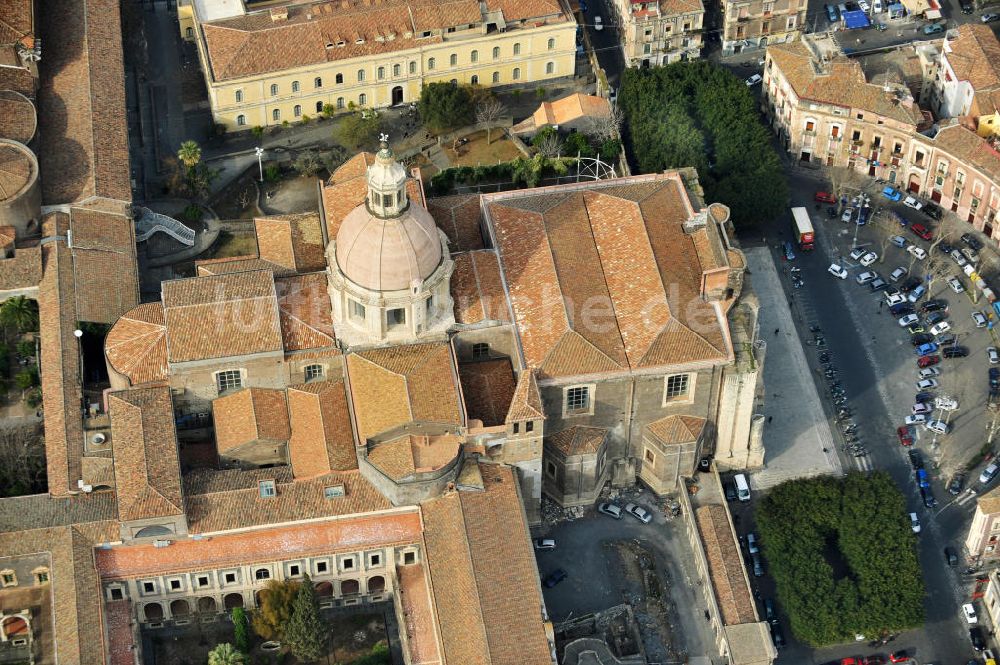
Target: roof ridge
472 571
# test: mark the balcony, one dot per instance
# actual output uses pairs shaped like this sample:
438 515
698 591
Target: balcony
836 139
857 143
808 132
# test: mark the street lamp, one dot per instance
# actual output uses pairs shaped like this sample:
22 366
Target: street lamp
79 350
260 153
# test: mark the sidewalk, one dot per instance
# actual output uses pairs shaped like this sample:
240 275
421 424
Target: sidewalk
797 431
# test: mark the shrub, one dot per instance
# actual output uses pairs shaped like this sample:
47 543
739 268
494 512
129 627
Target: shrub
26 378
241 629
192 213
305 119
272 172
34 398
610 150
25 348
258 132
578 144
328 110
540 92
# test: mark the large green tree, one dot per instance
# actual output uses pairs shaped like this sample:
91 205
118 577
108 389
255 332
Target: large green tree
273 612
19 313
358 130
698 114
445 106
306 633
189 154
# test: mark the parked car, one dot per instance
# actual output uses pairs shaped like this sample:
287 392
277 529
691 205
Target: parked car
916 459
916 328
912 202
770 614
938 426
831 13
946 403
847 215
905 438
967 8
955 351
956 284
908 320
777 636
543 544
914 523
955 486
864 214
929 372
917 293
837 271
969 612
917 419
921 409
927 384
638 512
921 338
730 489
924 396
934 306
941 327
917 252
994 376
970 254
894 298
977 638
989 18
598 24
865 277
877 284
989 473
934 29
752 545
892 193
946 340
991 353
959 258
971 241
825 197
868 259
611 510
753 80
554 578
927 496
873 660
757 564
933 211
921 231
898 274
898 241
927 349
936 317
788 251
910 284
927 361
979 319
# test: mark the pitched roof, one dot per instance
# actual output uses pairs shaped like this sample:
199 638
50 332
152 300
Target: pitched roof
18 170
345 190
17 19
39 511
578 440
459 217
136 345
609 269
23 270
841 82
144 444
477 288
725 567
82 138
568 109
967 147
17 114
232 264
222 315
989 502
237 504
305 312
975 56
248 415
292 241
526 404
677 429
410 454
488 387
322 440
104 259
397 385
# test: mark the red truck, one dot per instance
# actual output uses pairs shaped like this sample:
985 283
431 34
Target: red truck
803 229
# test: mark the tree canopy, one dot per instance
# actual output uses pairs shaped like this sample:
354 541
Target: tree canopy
270 619
445 106
843 557
306 633
698 114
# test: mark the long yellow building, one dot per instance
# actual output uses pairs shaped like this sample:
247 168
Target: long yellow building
282 62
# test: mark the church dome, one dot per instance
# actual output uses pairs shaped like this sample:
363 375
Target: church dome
388 254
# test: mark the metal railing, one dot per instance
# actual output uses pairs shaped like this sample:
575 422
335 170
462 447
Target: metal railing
148 222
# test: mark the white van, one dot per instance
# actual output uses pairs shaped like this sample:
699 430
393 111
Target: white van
742 487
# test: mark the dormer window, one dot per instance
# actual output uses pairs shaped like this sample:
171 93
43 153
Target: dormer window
267 489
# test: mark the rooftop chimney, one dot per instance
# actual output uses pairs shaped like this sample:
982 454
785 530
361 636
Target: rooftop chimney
279 14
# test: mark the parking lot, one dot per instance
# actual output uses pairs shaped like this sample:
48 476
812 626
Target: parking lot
649 566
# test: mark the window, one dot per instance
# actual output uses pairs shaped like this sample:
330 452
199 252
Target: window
517 49
333 492
413 66
577 400
517 74
175 585
856 135
8 578
319 106
294 570
338 79
768 7
362 99
374 560
318 82
551 44
239 96
429 307
230 578
357 310
297 111
529 426
517 428
475 79
274 89
267 489
496 77
189 33
396 318
650 456
230 379
148 587
241 120
430 63
396 70
321 566
810 125
496 52
550 67
314 372
480 350
295 86
380 73
361 75
474 56
409 558
453 59
262 574
41 576
348 564
202 580
550 468
340 103
116 593
276 114
676 387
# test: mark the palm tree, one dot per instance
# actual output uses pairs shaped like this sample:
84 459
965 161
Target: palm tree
225 654
20 313
189 154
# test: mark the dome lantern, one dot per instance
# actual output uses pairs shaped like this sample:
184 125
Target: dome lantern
386 183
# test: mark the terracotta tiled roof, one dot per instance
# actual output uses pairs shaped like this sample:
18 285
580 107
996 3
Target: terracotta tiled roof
322 440
460 218
305 312
418 614
104 261
225 550
565 110
975 56
677 429
17 114
118 616
136 346
17 19
842 83
345 190
82 142
672 7
42 511
526 404
968 147
488 387
989 502
98 471
295 501
397 385
611 271
220 316
514 10
248 415
477 288
233 264
292 241
144 442
18 170
23 270
725 566
60 369
578 440
406 455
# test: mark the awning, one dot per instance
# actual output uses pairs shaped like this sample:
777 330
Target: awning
932 14
855 19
